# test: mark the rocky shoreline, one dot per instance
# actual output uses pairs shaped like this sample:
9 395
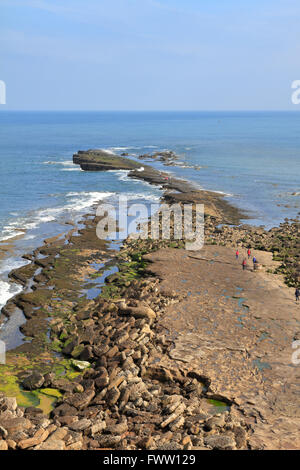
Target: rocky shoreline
101 351
124 399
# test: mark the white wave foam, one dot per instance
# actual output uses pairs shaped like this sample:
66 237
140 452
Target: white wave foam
7 291
29 237
122 174
10 232
78 202
119 148
116 149
67 165
219 192
59 162
10 265
82 200
75 168
134 196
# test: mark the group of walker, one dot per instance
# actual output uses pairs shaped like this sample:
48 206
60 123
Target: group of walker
244 263
254 260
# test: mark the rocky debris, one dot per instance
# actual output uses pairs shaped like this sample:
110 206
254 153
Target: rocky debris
168 157
124 399
129 394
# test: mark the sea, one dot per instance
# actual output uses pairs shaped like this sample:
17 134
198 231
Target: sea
253 158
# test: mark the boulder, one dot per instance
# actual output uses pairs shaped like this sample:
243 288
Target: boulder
80 425
14 425
3 445
80 365
81 400
139 311
220 442
34 381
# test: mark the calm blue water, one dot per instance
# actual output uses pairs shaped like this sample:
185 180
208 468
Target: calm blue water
254 157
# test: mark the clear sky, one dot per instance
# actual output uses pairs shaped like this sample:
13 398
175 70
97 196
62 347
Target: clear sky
149 54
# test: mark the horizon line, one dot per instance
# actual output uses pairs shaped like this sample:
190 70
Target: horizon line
154 110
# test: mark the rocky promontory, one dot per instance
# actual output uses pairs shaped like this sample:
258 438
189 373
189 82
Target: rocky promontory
176 190
101 160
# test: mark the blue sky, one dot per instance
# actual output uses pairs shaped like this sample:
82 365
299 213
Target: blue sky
149 54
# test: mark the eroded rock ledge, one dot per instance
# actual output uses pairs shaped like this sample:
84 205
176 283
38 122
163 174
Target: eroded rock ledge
176 190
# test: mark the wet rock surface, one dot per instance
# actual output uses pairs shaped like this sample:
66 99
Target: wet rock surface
236 328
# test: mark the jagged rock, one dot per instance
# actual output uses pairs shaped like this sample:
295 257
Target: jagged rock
81 400
52 444
67 420
115 383
87 354
112 396
80 365
214 422
14 425
64 410
63 385
158 373
97 427
117 428
124 398
240 436
102 382
33 381
75 446
177 424
3 445
3 432
70 345
220 442
170 446
12 445
80 425
179 410
31 410
48 379
39 437
105 442
9 403
137 312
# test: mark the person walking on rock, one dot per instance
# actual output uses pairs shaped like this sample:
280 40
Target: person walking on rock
297 294
244 264
237 254
249 253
